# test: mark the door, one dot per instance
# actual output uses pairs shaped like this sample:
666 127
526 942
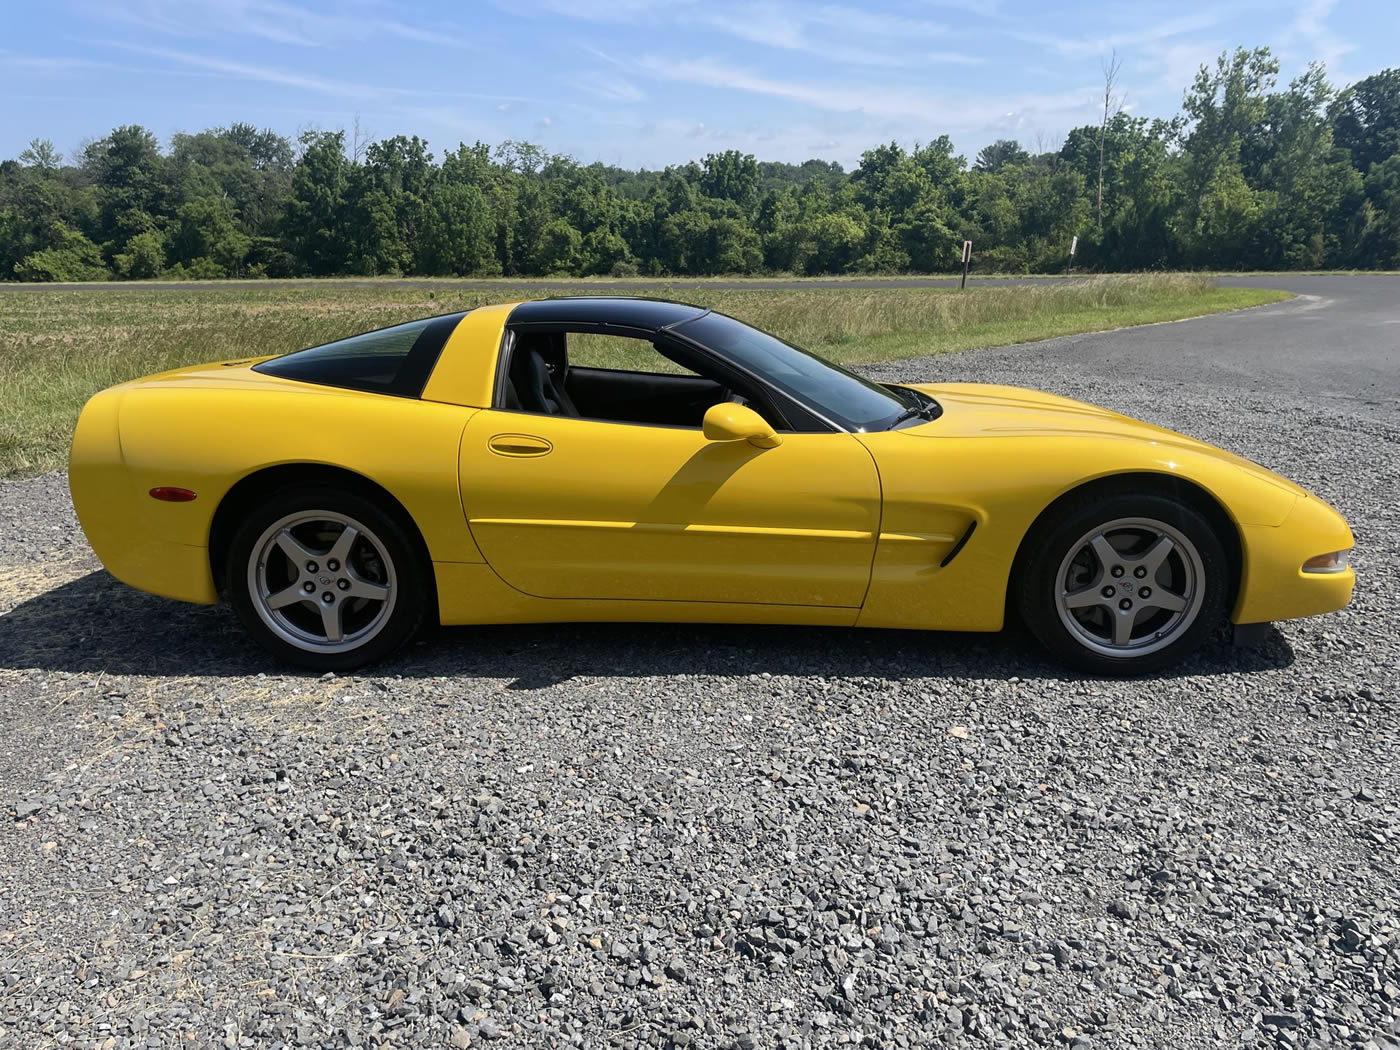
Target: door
563 507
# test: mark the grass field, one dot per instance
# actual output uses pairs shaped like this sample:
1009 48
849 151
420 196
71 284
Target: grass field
57 348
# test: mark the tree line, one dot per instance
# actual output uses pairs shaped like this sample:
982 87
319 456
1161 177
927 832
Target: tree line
1248 176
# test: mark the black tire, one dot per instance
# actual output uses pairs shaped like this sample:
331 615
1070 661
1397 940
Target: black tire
1058 551
387 556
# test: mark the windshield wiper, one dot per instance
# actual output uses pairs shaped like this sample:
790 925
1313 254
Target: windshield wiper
909 413
919 409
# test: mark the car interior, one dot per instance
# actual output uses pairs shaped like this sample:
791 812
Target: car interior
539 378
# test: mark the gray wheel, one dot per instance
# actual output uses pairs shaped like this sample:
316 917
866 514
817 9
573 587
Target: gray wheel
328 578
322 581
1122 582
1130 587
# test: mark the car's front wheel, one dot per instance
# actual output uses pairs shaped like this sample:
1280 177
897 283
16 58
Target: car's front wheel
1124 584
326 579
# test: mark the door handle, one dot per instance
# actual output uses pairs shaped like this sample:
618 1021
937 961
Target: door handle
519 445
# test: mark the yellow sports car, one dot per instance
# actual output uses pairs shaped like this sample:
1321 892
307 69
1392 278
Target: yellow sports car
482 467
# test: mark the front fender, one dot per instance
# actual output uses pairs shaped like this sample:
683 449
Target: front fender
934 488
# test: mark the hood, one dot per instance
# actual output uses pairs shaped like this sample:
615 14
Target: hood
984 410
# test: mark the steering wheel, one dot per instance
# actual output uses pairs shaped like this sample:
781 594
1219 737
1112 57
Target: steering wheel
727 394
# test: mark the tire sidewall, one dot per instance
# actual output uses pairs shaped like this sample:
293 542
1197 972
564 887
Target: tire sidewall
1038 582
414 579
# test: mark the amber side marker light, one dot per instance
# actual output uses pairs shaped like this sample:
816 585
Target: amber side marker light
1336 561
171 494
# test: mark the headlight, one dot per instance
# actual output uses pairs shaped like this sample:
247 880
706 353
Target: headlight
1336 561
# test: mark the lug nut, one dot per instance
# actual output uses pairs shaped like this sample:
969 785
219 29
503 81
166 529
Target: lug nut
333 565
1109 592
311 566
1125 604
308 587
1115 572
328 597
1145 592
343 584
1140 572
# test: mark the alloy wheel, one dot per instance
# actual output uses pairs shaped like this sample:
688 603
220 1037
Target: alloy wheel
322 581
1130 587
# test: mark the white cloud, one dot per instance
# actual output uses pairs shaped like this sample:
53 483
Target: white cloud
1087 46
612 88
305 81
1310 34
49 64
953 58
942 109
273 21
1176 64
833 32
631 12
891 28
261 74
984 8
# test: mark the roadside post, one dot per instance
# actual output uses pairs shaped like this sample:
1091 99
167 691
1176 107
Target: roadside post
1073 244
967 258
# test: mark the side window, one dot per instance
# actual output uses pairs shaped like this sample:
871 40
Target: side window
395 360
604 376
619 353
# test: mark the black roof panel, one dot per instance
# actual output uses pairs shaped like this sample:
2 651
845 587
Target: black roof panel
651 314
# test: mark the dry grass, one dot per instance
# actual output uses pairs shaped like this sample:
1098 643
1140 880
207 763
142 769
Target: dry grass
58 347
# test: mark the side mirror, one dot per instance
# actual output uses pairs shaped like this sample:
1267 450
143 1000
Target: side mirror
730 422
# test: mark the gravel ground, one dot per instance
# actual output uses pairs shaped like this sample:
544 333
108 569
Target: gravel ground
709 836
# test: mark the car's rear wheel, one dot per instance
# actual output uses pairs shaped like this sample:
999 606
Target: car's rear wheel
1124 584
325 579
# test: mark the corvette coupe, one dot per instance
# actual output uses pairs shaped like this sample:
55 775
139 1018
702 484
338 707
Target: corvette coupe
498 466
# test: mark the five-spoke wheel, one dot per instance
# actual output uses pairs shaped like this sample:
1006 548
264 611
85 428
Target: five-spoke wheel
326 579
1130 586
1123 583
321 579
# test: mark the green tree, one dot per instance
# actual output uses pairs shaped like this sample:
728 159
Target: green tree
1141 191
1380 232
731 176
72 257
1000 154
41 154
559 249
1366 117
458 235
143 257
206 228
1226 106
129 172
314 221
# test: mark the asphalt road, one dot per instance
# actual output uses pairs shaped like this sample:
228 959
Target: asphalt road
719 837
1337 343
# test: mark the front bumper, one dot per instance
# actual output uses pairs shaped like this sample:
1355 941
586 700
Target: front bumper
1273 585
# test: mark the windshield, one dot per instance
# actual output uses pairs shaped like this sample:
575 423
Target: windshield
842 397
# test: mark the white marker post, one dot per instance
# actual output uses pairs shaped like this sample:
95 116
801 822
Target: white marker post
967 258
1073 244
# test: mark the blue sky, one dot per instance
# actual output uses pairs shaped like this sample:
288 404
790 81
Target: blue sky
642 82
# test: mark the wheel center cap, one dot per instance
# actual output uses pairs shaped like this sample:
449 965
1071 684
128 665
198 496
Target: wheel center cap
1126 586
325 580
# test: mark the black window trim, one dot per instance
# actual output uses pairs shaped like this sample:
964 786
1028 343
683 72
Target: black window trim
413 375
